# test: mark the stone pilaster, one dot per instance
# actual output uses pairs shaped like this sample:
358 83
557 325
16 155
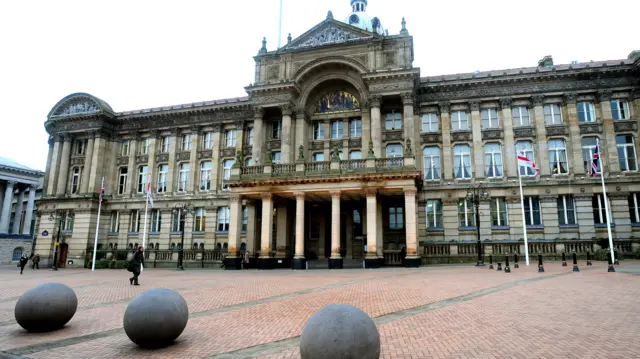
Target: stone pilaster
172 176
542 157
63 172
287 153
250 235
194 164
88 169
216 165
366 129
510 166
55 166
132 168
18 212
258 136
620 215
99 158
412 259
573 143
584 216
335 224
47 172
608 139
267 225
549 213
379 231
478 146
516 222
376 126
445 125
485 219
301 134
152 164
408 120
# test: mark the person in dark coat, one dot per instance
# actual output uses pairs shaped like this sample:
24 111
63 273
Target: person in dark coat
403 254
35 262
136 264
23 262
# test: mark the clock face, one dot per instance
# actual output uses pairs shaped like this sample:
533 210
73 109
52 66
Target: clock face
354 19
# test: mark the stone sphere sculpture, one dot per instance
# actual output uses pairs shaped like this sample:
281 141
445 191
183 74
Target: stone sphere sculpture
340 331
155 318
46 307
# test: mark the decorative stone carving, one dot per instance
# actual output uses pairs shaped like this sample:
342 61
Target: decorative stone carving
274 99
183 156
122 161
299 195
537 100
142 159
78 106
274 144
239 125
217 127
389 58
492 134
205 154
390 86
624 126
587 128
370 192
444 106
258 112
77 161
394 135
461 136
570 97
301 153
408 152
604 95
335 194
474 106
354 143
266 196
327 35
556 130
522 132
431 138
229 152
370 154
505 102
407 99
317 145
287 110
162 157
374 101
410 192
273 72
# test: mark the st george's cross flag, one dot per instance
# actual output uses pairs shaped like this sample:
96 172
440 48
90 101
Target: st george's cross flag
523 161
149 195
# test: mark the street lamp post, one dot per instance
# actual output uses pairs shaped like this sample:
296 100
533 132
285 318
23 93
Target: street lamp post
476 194
182 209
57 216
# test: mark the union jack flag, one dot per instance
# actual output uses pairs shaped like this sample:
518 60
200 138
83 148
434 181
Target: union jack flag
595 162
101 191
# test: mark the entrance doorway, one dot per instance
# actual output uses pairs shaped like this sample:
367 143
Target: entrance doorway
62 255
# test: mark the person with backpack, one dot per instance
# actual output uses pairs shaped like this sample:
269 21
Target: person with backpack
23 262
135 266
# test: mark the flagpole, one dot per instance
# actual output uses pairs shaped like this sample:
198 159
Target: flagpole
95 241
524 220
146 207
606 204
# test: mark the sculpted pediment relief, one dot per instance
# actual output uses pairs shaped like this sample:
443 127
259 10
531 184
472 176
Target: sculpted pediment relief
79 104
327 33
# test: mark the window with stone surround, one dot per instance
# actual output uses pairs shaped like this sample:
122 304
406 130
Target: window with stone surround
185 142
634 207
318 157
499 212
525 148
249 138
226 173
143 172
493 160
459 121
396 218
462 161
276 157
393 120
393 150
166 144
205 175
156 220
600 209
355 128
627 153
620 110
207 140
80 147
532 213
122 180
520 116
337 129
176 223
134 221
489 118
145 145
433 209
586 112
183 177
566 211
67 221
163 171
553 114
76 174
124 148
588 147
114 224
431 155
276 130
245 218
318 131
466 213
355 155
200 220
430 122
230 138
223 219
558 157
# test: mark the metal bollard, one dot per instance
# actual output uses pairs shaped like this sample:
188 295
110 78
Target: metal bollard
540 266
564 260
575 263
610 269
515 257
499 267
490 262
589 259
506 264
617 260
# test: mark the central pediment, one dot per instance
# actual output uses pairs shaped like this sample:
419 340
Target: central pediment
329 32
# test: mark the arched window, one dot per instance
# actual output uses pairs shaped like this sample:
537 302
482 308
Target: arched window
130 245
173 246
558 156
225 245
431 163
17 254
201 245
462 161
218 245
115 246
195 245
110 245
150 245
157 246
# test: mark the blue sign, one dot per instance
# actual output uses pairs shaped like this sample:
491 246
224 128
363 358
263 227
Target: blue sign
45 233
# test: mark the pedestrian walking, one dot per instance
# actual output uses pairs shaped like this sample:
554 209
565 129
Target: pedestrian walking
23 262
246 259
135 265
35 262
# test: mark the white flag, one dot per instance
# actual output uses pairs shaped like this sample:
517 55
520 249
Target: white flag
525 162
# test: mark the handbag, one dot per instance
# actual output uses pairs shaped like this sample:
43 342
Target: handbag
130 266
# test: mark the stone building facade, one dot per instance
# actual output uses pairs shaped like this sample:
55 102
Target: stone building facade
342 150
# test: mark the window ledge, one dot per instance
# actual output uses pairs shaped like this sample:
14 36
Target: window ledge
435 229
154 233
500 228
175 233
112 234
635 224
603 225
133 233
473 228
198 232
569 226
535 226
222 232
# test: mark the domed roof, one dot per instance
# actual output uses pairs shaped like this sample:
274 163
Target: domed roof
361 19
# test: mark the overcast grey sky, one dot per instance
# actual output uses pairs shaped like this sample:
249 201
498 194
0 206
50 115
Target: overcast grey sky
140 54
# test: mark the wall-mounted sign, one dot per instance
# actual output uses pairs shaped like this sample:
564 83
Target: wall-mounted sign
45 233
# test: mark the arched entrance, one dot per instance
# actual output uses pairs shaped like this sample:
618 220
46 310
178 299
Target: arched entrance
17 253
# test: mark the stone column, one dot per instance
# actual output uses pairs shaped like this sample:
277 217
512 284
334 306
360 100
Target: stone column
542 157
55 165
335 262
371 258
608 139
63 173
478 146
265 261
258 136
3 186
26 228
18 213
366 129
88 169
412 259
172 175
408 121
299 259
216 165
620 215
47 171
446 165
509 151
250 234
6 207
132 167
233 261
152 164
301 134
376 126
549 213
282 230
286 134
194 163
573 144
379 231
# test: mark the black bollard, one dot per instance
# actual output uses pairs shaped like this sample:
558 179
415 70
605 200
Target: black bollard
589 259
564 260
490 262
516 265
575 263
610 269
499 267
540 266
506 264
616 261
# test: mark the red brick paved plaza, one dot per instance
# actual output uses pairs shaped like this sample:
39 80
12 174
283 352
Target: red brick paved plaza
430 312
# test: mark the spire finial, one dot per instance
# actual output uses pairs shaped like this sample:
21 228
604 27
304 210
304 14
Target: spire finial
264 45
289 38
330 15
404 30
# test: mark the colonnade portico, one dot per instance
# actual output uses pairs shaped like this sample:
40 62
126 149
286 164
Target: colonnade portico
10 188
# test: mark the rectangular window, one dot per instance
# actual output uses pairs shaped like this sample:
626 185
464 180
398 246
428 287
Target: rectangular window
318 131
355 128
163 171
520 116
223 219
207 140
566 210
156 220
396 219
558 157
586 112
626 153
493 160
185 142
143 172
134 221
226 173
431 157
124 148
430 122
466 213
200 220
81 147
230 138
489 118
67 221
525 148
318 157
245 218
355 155
459 121
634 207
588 147
166 144
276 130
532 211
552 114
75 180
620 110
393 121
145 145
176 220
337 130
393 151
183 177
599 210
434 214
250 136
205 175
462 161
114 224
122 181
499 217
276 158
